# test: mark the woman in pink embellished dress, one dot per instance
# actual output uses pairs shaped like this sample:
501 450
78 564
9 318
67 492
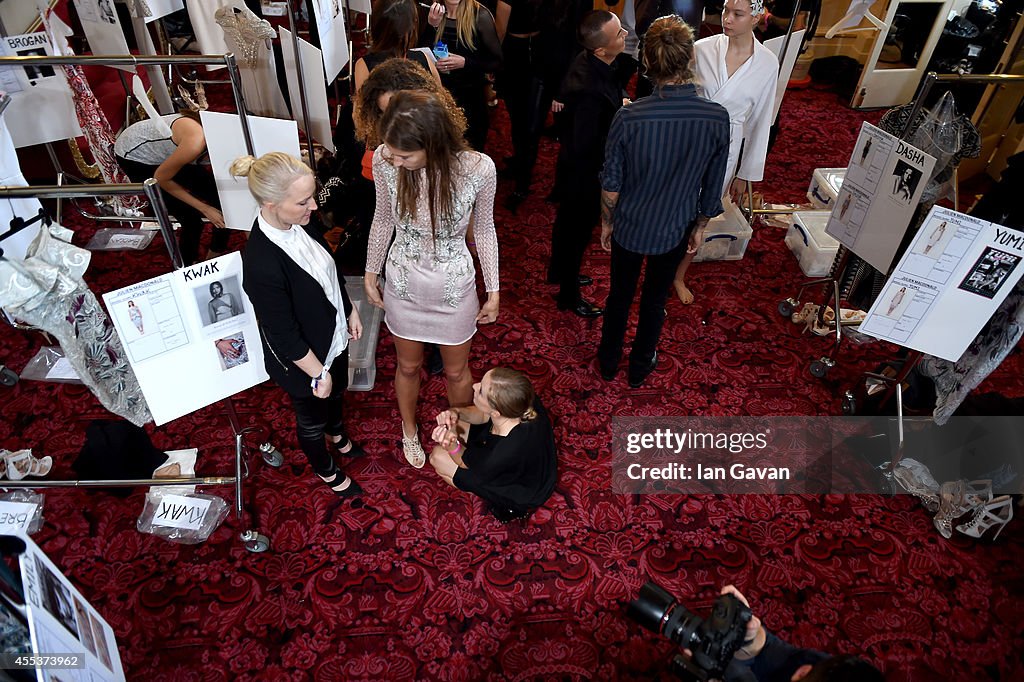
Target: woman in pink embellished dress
431 188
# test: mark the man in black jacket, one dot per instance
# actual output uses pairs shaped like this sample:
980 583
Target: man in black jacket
591 94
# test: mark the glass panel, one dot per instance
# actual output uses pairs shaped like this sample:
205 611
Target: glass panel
908 35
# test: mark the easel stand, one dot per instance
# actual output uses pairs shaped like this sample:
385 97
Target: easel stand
252 539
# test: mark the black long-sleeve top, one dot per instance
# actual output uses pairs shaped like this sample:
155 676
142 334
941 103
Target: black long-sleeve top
483 58
516 471
776 662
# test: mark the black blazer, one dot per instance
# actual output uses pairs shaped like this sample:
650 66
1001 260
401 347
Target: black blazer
293 313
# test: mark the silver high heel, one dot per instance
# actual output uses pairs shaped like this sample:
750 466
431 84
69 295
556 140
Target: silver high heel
956 498
998 512
915 478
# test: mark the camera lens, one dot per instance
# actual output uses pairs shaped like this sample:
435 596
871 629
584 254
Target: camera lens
651 607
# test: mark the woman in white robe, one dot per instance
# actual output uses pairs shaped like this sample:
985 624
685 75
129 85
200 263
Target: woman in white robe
737 71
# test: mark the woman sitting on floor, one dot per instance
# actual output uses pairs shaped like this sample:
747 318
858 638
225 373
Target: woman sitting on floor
500 448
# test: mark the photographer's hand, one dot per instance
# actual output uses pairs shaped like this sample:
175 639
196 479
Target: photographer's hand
756 636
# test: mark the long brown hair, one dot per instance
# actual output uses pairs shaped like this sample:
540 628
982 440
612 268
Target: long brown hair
416 120
394 27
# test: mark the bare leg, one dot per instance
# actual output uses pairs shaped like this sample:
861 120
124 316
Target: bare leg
407 381
682 291
457 374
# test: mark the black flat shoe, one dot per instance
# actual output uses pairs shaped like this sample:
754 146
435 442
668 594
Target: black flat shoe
514 201
584 309
435 363
636 379
353 452
584 280
609 375
507 514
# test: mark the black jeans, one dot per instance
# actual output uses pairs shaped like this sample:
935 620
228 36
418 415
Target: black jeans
315 417
522 87
574 225
626 264
473 101
199 183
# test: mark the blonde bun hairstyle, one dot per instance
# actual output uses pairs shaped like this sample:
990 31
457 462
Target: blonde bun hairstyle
270 175
511 394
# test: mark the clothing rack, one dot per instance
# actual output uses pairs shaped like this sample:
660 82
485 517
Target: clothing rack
18 224
252 539
227 60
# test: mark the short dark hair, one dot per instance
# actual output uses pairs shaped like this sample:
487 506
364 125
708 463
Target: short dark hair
591 30
667 53
844 669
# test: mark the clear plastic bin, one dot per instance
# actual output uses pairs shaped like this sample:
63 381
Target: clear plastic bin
824 188
362 354
726 236
814 249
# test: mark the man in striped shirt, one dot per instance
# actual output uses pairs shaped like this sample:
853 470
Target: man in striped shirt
664 166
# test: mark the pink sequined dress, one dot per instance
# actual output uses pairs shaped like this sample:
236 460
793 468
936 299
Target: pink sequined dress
430 292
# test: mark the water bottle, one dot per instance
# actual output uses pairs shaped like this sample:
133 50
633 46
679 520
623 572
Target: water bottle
440 50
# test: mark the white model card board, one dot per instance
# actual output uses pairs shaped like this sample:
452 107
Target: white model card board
330 25
315 87
948 284
41 108
63 625
191 336
881 190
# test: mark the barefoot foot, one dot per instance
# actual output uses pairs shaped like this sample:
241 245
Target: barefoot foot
684 294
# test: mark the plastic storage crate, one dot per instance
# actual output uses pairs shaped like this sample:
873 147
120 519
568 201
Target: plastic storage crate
824 188
814 249
362 354
725 237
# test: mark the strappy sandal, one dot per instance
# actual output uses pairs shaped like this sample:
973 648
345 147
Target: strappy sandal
413 451
21 463
354 452
351 490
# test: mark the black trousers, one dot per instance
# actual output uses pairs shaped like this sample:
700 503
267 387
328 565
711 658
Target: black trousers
626 265
200 183
522 87
473 101
315 417
578 213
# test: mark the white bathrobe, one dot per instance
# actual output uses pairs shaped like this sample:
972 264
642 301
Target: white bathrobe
748 96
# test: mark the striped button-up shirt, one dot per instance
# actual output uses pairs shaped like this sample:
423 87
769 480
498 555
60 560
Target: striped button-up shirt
666 156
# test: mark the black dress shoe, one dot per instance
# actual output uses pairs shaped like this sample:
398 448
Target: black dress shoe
354 452
608 375
636 379
584 309
585 280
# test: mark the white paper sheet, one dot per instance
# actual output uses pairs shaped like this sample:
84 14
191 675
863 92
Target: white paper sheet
330 23
161 8
316 88
15 516
225 143
184 358
62 369
102 28
786 66
881 190
10 175
43 111
947 285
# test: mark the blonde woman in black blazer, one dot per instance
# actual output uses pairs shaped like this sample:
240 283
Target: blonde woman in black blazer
305 316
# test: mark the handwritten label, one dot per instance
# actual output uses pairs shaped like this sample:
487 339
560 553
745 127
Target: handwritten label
178 511
15 515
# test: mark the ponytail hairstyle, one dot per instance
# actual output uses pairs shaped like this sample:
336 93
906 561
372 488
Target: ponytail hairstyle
667 54
465 23
269 176
511 394
416 120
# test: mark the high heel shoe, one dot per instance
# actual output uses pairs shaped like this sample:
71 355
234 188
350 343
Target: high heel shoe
413 451
21 463
809 310
998 513
917 480
956 498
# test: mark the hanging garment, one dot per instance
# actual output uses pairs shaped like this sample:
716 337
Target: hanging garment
249 38
204 26
91 118
47 291
749 97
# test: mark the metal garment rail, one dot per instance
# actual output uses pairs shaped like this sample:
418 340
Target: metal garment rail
227 60
251 538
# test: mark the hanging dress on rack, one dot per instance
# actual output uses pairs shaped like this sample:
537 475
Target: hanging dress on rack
249 38
46 290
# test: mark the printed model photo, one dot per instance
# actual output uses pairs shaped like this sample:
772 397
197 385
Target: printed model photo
899 299
231 351
904 181
56 597
219 300
989 273
84 628
865 150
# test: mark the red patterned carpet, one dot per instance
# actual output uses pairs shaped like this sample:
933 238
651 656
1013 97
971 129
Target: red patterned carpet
415 581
